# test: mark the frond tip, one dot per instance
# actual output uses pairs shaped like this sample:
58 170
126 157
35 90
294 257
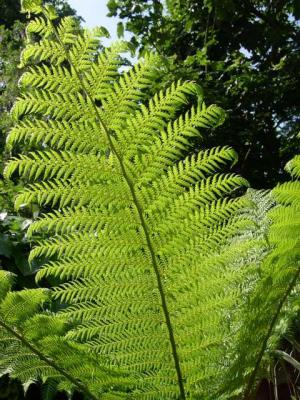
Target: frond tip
34 6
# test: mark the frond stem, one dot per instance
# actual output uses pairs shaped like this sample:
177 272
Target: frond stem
269 332
48 361
142 219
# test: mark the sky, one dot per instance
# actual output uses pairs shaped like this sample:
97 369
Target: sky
94 13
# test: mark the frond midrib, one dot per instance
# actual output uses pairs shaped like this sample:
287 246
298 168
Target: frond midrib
81 387
142 219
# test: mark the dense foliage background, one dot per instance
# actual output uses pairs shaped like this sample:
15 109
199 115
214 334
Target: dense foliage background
245 54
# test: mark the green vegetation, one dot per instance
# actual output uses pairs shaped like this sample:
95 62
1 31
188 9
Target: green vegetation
246 56
14 245
158 275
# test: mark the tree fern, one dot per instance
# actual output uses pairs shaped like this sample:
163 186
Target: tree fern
156 262
273 302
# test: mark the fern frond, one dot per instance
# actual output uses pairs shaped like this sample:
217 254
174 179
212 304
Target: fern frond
143 129
156 259
293 167
82 138
45 50
51 79
271 306
288 193
122 205
33 345
61 165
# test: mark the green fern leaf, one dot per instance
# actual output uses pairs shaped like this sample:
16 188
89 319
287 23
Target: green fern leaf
160 267
134 203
